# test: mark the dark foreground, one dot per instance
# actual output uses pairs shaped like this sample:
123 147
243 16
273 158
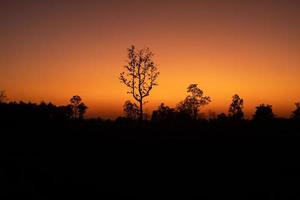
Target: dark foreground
94 160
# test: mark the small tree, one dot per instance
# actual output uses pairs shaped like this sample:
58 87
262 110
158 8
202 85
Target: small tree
193 102
65 112
81 110
131 110
264 112
163 113
222 117
78 107
236 108
140 75
296 112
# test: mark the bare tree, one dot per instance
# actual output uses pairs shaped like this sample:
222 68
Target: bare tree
193 102
3 97
140 75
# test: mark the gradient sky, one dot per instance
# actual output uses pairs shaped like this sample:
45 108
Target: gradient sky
51 50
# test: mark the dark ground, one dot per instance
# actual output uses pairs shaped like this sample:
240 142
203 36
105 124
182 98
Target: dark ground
105 160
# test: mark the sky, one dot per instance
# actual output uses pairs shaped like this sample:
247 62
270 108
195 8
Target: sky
52 50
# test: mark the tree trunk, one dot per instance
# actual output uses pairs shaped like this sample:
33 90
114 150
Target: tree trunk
141 110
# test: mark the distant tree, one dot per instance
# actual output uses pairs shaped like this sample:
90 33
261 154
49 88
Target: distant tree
131 110
75 101
81 110
78 107
264 112
193 102
64 112
212 115
236 108
296 112
3 97
43 112
163 113
222 117
140 75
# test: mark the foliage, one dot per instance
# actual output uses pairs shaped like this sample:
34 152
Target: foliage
222 117
131 110
78 107
193 102
296 112
236 108
21 111
263 113
163 113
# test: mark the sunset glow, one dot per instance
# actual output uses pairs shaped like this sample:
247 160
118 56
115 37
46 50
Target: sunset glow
52 50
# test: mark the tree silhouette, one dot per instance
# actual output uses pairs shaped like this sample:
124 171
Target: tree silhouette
32 112
3 97
140 75
131 110
222 117
64 112
193 102
296 112
78 107
263 112
163 113
81 110
236 108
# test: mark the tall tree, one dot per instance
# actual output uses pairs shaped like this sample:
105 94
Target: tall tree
236 108
193 102
140 75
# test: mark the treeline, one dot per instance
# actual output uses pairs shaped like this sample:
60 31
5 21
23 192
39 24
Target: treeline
186 110
189 109
140 77
264 112
21 111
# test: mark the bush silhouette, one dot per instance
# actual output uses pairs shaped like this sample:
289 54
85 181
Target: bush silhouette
131 110
263 113
23 112
296 112
163 114
222 117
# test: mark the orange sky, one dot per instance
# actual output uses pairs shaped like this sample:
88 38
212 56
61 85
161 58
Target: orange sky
51 50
